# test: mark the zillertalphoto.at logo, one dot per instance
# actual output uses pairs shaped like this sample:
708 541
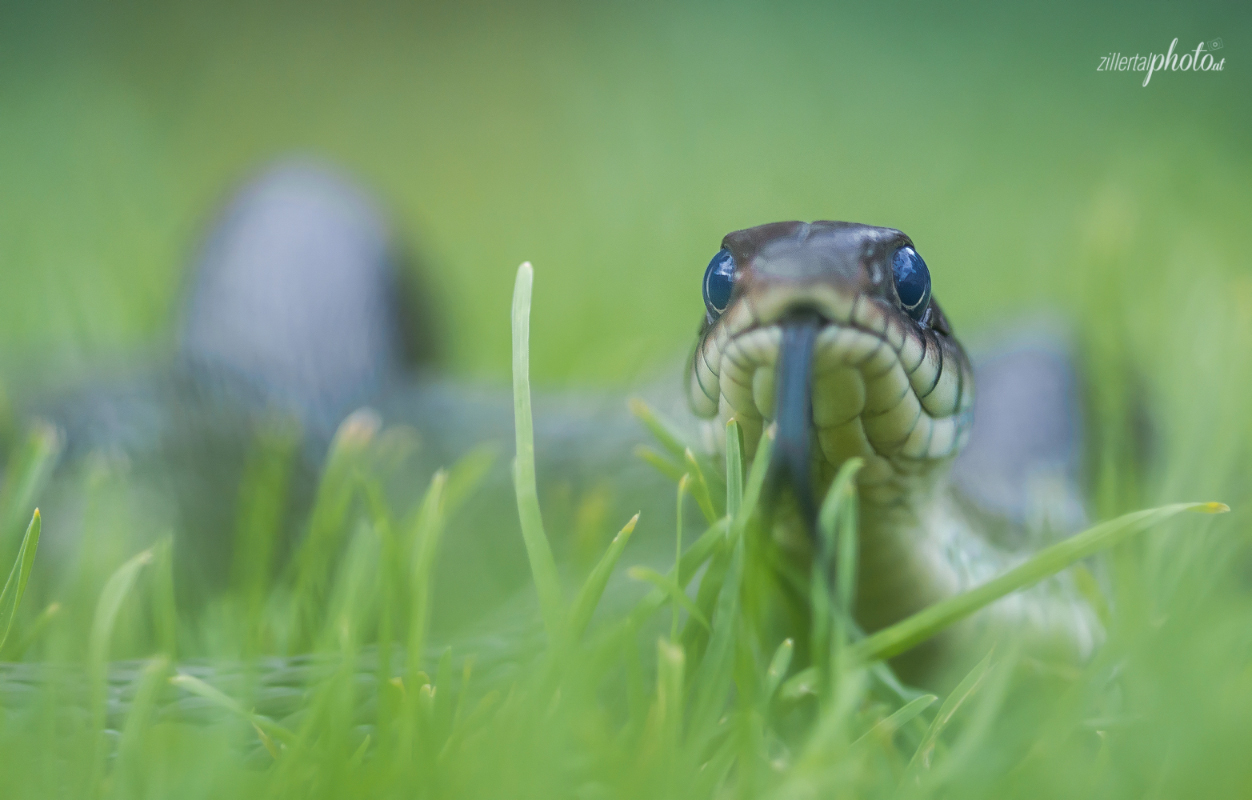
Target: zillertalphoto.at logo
1199 61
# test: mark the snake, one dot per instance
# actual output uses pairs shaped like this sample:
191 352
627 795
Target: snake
831 331
827 331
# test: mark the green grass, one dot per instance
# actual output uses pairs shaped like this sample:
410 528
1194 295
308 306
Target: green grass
613 148
720 706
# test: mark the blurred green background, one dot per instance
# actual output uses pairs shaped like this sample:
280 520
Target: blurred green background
613 146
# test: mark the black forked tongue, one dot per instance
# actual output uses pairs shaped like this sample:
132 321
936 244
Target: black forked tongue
793 410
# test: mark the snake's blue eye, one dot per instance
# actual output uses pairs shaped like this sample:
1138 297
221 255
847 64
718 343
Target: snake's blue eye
912 281
719 280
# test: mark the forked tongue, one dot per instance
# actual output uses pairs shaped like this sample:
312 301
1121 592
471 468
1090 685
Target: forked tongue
793 411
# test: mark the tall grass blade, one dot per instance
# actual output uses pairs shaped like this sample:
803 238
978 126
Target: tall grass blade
836 553
778 666
538 551
701 550
665 431
15 586
683 483
676 595
668 710
315 559
27 472
675 443
755 484
164 599
466 475
220 699
699 486
32 632
263 501
963 691
840 506
354 594
887 727
593 587
660 462
734 468
713 676
130 772
910 632
425 541
114 592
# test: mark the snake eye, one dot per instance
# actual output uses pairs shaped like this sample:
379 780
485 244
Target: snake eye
719 280
912 281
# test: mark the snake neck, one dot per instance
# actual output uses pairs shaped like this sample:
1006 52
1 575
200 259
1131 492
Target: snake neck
905 531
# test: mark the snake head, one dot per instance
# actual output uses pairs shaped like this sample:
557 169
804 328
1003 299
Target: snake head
831 330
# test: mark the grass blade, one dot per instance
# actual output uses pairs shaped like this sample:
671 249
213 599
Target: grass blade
28 470
734 469
699 486
538 551
666 433
164 599
263 502
840 506
910 632
660 462
778 666
593 588
700 551
683 484
428 529
315 559
136 731
837 546
15 586
668 708
111 596
671 590
886 728
466 475
195 686
31 633
756 477
713 676
963 691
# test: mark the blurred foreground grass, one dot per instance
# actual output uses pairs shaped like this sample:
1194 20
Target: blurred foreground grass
726 708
